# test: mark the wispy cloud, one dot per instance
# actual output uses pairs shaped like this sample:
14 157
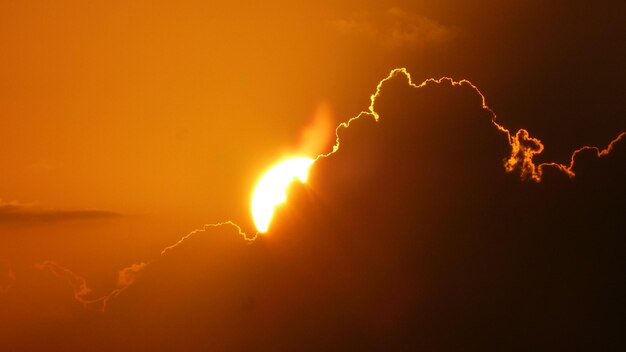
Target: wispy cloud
83 293
395 28
11 212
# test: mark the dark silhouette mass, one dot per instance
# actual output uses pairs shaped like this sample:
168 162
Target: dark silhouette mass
412 236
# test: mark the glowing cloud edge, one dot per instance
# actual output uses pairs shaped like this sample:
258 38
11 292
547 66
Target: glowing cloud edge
521 158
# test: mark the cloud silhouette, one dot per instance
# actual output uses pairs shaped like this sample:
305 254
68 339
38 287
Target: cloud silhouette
421 240
410 234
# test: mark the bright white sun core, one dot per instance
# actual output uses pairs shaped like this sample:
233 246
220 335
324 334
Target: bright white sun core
271 190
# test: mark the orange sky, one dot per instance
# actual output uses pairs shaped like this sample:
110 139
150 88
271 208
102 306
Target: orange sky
126 124
173 111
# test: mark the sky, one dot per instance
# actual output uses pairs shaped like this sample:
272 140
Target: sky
479 211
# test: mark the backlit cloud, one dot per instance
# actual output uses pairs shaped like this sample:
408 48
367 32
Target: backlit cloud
522 149
385 246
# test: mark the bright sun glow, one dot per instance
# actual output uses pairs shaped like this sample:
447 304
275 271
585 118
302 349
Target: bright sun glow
272 189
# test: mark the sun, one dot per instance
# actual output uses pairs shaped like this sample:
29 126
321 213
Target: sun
271 190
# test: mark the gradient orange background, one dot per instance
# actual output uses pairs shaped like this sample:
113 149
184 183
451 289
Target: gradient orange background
126 124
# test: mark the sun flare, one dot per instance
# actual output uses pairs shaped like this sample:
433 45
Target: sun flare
271 190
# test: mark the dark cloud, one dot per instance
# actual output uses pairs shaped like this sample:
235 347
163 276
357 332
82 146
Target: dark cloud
14 212
420 239
411 236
